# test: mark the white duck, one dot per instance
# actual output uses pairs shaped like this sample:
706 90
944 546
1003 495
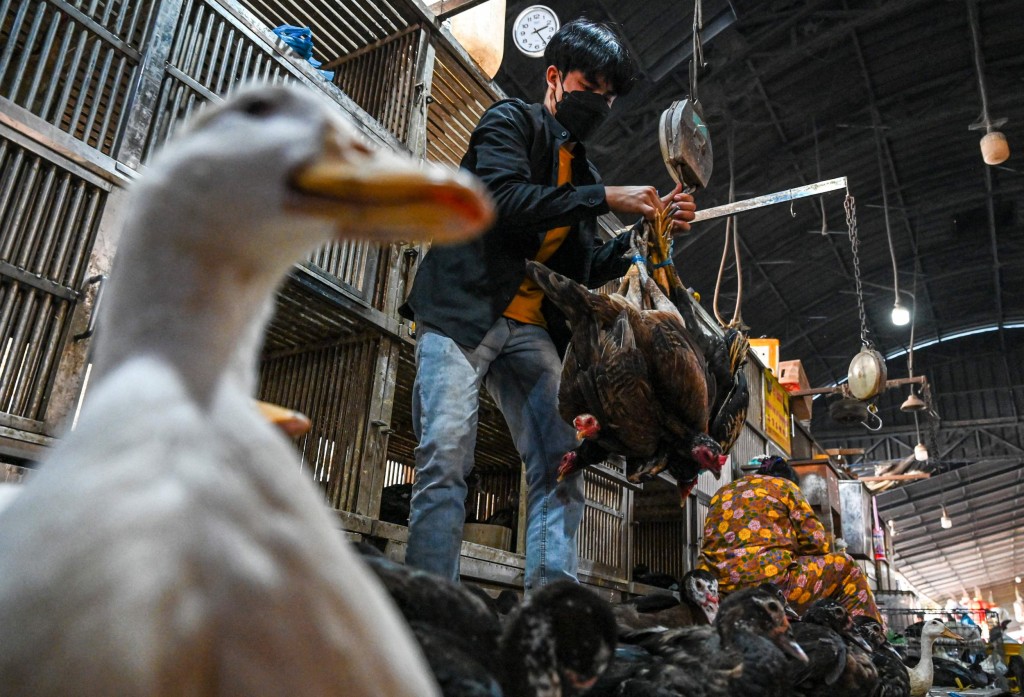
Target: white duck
921 675
162 548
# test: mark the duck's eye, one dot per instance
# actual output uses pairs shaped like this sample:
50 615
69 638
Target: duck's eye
258 108
773 606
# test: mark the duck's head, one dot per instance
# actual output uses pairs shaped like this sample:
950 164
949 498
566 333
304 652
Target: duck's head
829 613
278 164
775 590
758 611
559 643
933 629
871 630
701 587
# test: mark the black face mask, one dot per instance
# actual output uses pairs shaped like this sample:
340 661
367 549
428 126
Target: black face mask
581 112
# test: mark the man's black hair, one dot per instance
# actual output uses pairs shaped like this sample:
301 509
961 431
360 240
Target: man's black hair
596 50
775 466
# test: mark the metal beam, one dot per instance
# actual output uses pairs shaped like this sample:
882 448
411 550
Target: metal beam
449 8
895 477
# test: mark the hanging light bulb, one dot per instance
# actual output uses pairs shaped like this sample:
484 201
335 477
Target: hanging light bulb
900 315
945 521
994 149
920 452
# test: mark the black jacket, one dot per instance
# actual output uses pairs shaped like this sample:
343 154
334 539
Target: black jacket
462 289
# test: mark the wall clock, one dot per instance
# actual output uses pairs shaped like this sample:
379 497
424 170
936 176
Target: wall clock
533 28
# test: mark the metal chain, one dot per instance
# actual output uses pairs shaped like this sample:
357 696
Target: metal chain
850 206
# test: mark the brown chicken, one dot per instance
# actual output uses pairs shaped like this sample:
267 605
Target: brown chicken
725 355
634 382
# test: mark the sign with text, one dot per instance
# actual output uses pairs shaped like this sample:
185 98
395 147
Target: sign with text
776 411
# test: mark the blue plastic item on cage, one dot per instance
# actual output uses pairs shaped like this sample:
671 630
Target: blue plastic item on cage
300 40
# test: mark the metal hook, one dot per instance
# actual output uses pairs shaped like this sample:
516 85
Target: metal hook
873 411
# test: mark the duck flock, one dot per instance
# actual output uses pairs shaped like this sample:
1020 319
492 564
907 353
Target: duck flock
170 545
566 641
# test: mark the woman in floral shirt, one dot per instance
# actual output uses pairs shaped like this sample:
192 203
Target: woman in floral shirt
761 528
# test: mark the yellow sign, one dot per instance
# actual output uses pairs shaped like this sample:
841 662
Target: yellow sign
776 411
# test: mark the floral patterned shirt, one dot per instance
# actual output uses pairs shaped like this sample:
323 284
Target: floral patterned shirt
755 527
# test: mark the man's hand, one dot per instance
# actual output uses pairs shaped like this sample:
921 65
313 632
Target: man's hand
682 208
633 199
644 200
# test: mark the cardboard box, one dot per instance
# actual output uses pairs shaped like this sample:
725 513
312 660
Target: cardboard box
767 351
793 378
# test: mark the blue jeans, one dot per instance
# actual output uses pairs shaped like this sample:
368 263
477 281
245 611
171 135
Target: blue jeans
520 367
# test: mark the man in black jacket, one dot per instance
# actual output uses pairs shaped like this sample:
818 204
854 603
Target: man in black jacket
480 321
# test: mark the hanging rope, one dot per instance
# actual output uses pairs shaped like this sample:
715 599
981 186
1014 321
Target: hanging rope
697 61
732 235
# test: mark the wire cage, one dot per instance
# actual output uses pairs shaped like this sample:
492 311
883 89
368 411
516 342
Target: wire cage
971 625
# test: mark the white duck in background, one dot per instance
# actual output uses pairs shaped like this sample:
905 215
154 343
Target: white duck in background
162 548
922 674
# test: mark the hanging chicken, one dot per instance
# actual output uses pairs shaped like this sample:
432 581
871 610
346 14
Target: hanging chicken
725 355
634 382
642 379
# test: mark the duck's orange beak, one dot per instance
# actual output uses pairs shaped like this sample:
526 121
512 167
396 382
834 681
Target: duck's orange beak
292 423
382 195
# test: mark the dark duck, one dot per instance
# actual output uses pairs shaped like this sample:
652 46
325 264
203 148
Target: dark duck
839 662
558 643
697 605
743 653
634 381
554 644
893 678
456 628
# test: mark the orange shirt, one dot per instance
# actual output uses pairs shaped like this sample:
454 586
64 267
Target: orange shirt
525 307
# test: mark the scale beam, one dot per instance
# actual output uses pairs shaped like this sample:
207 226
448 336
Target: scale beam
770 199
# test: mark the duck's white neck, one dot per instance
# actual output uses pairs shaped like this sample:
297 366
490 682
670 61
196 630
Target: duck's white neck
926 653
200 311
922 672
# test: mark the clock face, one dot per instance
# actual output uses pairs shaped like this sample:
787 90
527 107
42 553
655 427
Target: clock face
534 28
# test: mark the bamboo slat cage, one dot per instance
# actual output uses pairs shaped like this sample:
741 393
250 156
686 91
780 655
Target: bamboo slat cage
48 220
